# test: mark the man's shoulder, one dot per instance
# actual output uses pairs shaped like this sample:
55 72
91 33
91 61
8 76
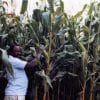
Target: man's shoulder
13 59
16 60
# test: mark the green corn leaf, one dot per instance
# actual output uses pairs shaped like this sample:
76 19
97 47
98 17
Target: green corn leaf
24 6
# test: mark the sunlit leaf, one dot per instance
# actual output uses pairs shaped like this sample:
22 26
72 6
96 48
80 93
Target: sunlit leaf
80 12
43 75
6 61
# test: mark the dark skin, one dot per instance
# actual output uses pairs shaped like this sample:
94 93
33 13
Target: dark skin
17 51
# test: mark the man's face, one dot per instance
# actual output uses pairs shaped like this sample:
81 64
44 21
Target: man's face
17 51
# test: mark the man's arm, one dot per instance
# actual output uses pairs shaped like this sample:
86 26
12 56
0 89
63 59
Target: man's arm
32 63
35 61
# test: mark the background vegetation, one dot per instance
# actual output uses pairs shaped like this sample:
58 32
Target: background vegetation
69 68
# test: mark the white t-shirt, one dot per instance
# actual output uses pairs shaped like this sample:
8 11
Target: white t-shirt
18 84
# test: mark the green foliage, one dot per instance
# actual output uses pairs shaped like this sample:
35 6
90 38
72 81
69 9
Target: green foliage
6 63
68 44
79 14
24 6
51 5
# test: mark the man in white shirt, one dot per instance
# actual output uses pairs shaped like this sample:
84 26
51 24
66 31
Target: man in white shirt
17 86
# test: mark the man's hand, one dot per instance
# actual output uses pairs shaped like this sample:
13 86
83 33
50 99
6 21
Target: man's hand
35 61
39 51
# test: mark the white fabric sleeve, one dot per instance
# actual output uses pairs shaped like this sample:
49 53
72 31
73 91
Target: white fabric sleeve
20 64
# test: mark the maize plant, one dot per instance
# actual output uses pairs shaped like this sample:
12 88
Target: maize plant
69 67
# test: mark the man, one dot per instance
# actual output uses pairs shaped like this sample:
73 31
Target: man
17 86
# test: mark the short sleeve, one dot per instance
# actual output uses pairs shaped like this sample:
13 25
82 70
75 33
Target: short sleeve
18 63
